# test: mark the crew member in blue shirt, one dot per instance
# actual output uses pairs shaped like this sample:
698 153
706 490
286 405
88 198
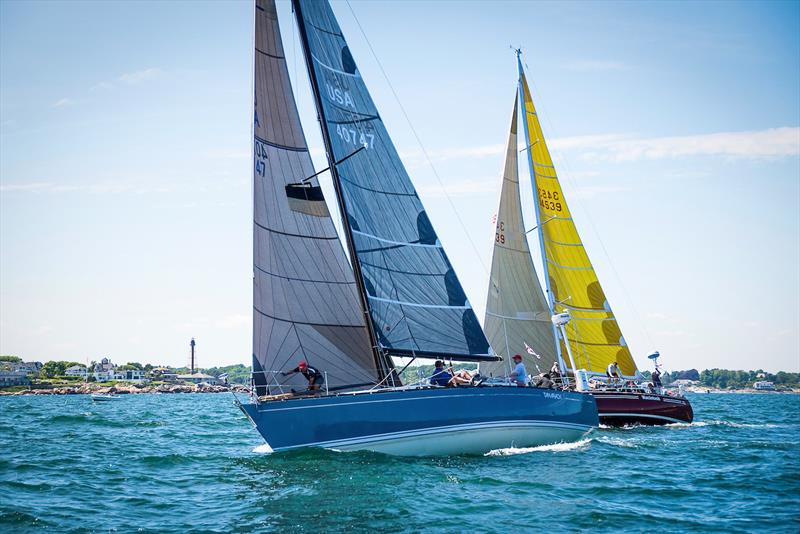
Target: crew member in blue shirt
519 375
440 376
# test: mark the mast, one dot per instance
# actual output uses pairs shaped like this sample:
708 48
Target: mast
380 363
539 222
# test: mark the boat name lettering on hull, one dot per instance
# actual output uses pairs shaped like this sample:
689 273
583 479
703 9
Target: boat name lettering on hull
548 395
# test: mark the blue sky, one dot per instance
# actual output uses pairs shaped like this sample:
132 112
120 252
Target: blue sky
125 210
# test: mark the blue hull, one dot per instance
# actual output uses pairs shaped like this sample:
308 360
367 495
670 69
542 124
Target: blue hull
430 421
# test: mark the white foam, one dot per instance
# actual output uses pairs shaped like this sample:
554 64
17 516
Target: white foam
715 422
556 447
619 442
263 449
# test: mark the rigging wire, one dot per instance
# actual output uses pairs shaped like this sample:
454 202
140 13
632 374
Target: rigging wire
419 141
564 164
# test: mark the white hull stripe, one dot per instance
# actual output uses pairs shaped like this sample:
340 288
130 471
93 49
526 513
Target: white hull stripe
393 436
646 416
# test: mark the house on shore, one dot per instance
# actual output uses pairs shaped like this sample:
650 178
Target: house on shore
764 385
199 378
165 374
105 371
14 378
77 371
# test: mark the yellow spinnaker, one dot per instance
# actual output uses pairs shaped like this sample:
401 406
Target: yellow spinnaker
594 335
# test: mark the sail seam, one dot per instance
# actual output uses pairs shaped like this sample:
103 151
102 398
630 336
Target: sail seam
596 344
301 279
282 147
323 30
269 55
416 305
337 71
374 266
551 262
405 244
563 244
332 325
293 235
531 319
365 188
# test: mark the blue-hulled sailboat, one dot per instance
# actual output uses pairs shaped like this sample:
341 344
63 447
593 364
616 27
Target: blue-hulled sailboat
400 298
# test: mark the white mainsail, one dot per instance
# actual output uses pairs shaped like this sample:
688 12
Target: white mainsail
305 302
517 315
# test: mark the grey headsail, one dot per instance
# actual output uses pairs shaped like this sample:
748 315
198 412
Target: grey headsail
305 301
416 303
517 316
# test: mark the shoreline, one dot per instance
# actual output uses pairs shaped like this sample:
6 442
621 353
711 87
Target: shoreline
139 389
133 389
701 390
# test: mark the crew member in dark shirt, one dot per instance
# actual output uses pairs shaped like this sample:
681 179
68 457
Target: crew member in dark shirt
440 376
313 375
656 377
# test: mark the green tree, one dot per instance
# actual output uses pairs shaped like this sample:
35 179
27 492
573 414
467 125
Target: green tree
54 368
10 359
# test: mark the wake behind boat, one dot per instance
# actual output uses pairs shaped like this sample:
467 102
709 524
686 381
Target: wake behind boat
400 298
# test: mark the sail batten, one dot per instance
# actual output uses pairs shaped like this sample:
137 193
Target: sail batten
415 302
305 303
572 282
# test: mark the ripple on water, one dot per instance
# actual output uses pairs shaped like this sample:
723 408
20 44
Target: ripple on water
155 457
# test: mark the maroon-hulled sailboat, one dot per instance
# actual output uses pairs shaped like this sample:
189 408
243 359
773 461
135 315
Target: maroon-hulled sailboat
570 324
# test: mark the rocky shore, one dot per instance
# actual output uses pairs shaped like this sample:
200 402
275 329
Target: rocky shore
124 389
702 389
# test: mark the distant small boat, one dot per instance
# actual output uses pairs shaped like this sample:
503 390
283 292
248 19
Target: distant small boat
98 397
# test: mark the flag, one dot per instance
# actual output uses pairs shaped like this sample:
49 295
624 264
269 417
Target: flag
532 352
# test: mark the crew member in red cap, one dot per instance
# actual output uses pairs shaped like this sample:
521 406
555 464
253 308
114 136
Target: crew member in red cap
519 375
313 375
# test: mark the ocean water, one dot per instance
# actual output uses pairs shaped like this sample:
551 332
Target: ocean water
193 463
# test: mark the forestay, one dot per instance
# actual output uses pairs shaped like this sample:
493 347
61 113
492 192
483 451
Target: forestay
594 335
416 302
305 304
517 315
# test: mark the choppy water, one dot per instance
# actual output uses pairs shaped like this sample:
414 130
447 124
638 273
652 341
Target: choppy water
192 463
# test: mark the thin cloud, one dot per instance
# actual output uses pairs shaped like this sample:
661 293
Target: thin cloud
112 188
761 144
62 103
771 143
102 86
133 78
589 65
